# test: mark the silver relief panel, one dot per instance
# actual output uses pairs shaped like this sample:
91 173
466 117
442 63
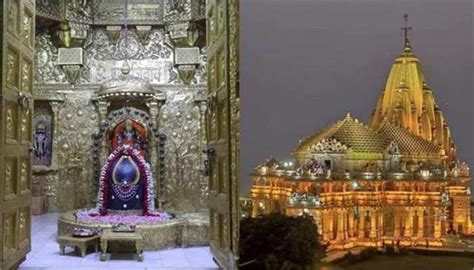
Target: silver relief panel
46 57
153 62
139 12
186 188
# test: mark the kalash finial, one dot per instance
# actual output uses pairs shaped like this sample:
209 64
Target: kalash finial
406 29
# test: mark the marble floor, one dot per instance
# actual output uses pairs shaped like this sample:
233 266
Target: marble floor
45 254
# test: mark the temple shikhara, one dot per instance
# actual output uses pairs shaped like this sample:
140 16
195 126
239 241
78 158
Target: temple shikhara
394 181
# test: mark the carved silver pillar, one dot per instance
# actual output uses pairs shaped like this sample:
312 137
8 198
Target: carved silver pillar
201 102
103 109
55 106
155 108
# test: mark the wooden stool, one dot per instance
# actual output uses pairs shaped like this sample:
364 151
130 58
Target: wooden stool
80 242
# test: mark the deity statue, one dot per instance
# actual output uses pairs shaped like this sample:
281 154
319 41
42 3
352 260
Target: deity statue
130 133
41 143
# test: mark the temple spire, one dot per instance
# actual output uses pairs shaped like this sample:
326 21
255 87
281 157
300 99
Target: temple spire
406 29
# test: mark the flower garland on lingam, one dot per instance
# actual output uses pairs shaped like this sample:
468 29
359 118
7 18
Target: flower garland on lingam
147 178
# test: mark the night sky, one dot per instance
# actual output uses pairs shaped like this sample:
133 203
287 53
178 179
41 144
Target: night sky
306 63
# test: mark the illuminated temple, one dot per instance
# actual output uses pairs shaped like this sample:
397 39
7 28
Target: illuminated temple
395 181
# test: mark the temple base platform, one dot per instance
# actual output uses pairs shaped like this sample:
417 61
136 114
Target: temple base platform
386 241
186 229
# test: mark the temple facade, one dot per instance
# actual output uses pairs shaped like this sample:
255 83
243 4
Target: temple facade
396 181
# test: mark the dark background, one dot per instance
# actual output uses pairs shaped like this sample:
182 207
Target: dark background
306 63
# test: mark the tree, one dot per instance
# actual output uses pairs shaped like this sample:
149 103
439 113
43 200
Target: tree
279 242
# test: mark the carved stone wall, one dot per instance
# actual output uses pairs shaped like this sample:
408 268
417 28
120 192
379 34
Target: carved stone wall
72 183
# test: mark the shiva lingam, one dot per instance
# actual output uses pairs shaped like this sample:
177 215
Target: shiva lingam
126 184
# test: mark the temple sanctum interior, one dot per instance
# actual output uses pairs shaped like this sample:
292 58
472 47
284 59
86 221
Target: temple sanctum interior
119 133
396 181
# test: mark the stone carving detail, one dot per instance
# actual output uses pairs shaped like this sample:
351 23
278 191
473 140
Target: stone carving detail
306 199
329 145
313 168
460 169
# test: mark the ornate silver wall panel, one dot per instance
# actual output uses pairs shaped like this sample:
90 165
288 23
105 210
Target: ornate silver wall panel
77 121
149 11
103 60
49 9
139 12
184 10
186 188
110 12
46 57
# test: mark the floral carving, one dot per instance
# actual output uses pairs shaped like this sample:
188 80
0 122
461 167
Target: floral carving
12 68
26 76
9 189
329 145
10 123
180 123
46 56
